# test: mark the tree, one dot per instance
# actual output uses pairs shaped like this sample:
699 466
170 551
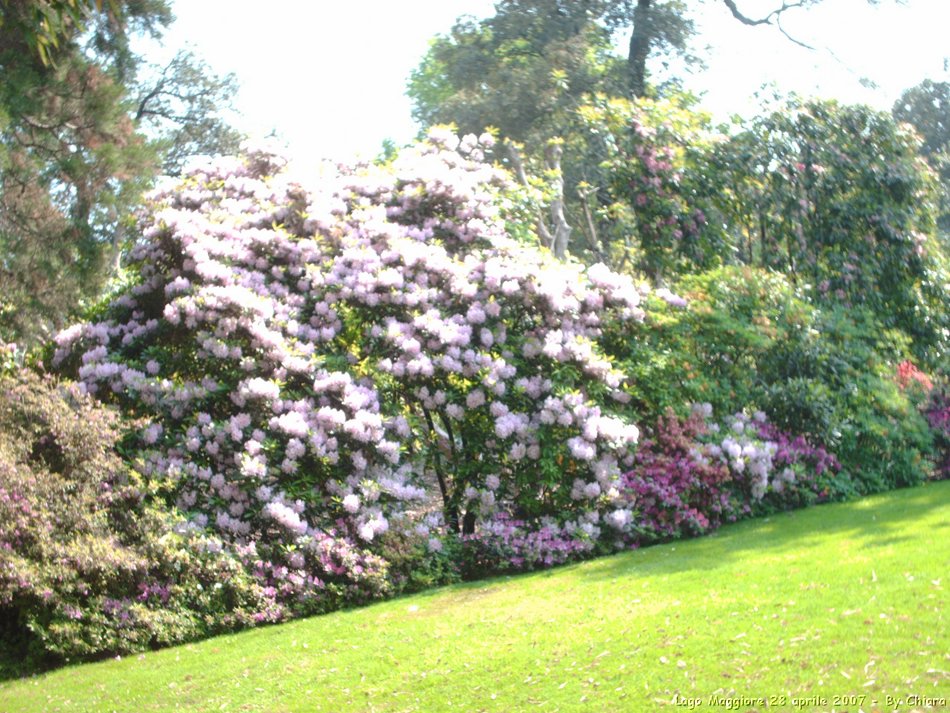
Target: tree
520 71
523 73
70 163
836 197
74 158
180 106
531 69
926 107
656 28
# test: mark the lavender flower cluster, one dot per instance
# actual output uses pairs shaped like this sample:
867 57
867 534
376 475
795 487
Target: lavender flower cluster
691 475
315 359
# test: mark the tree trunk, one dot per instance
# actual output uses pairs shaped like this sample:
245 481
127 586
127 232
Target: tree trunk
639 49
562 230
449 507
558 240
593 241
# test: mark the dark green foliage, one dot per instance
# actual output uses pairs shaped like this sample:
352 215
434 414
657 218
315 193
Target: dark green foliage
837 198
748 340
414 565
926 107
70 166
76 152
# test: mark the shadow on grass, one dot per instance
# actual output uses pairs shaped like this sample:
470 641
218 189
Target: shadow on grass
873 522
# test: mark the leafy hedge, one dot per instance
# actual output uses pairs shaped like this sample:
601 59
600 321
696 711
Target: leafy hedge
748 338
367 387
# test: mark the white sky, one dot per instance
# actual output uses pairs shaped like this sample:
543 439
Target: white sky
329 76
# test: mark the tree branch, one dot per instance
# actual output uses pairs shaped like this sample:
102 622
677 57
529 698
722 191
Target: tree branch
767 20
774 18
544 234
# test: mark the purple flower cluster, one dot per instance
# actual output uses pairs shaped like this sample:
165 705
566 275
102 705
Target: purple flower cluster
503 543
937 413
768 464
675 488
690 475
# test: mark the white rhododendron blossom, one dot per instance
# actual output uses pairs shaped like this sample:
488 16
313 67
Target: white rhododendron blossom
319 362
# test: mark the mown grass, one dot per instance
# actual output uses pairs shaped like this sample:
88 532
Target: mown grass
796 609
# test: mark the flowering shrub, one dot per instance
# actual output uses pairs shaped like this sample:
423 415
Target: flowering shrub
504 543
771 469
317 364
88 563
644 152
691 475
937 413
716 346
11 358
909 376
747 338
878 432
674 488
418 559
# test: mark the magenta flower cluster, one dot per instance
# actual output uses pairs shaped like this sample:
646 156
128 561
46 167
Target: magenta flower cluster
675 488
937 412
691 475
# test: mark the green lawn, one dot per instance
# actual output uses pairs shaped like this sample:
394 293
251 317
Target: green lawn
829 602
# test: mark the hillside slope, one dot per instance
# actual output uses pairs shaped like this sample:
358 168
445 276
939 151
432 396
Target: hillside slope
797 609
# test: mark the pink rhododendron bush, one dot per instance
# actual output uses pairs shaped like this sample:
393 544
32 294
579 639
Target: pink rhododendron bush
372 363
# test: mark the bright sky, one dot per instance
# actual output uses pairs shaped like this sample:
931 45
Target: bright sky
329 77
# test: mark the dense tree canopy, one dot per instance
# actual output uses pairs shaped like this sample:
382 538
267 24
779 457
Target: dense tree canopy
926 107
82 132
519 71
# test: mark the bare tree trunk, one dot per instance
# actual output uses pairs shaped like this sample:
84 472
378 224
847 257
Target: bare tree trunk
558 237
639 49
544 235
562 231
593 240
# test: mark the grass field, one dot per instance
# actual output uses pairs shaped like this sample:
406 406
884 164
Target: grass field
839 607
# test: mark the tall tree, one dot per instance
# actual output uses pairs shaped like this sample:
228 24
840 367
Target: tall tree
656 29
518 71
73 157
180 106
926 107
526 71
